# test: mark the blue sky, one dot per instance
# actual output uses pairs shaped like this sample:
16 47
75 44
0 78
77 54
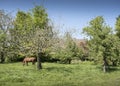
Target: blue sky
69 15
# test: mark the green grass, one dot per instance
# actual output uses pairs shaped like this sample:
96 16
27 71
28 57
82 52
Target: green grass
53 74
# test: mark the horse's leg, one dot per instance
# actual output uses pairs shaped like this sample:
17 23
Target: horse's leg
23 63
32 62
27 63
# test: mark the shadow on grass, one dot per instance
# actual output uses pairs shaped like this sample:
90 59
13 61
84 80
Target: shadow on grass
65 84
110 69
59 69
113 68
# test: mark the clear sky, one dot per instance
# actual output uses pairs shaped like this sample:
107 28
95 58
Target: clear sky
69 15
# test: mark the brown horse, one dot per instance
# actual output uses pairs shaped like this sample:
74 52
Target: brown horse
29 59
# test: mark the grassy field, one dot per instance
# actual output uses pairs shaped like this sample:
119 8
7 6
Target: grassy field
53 74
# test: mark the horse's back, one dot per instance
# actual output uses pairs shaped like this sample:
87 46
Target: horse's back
32 59
29 59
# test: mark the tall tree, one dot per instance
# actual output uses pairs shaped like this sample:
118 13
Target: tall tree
5 25
117 29
66 49
43 32
33 32
117 26
40 17
21 34
71 47
102 43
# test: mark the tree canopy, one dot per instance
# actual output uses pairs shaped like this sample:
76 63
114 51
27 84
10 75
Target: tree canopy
103 44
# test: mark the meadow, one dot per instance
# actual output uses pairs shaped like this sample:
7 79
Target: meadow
55 74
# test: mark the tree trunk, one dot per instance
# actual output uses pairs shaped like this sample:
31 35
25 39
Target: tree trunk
39 64
114 62
105 65
69 61
2 57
